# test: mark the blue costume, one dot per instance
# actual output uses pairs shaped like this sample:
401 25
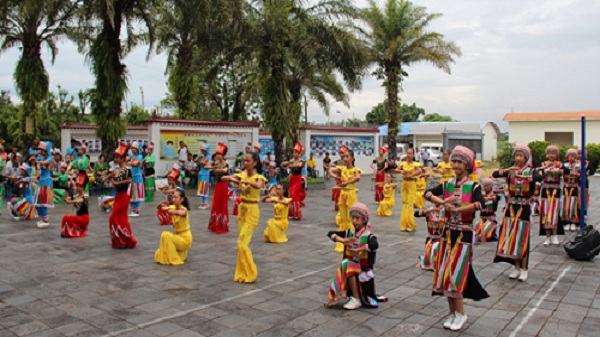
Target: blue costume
204 179
137 188
44 195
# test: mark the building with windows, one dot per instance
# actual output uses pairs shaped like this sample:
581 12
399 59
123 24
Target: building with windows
560 128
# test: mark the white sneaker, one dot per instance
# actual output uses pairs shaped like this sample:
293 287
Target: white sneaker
523 276
515 273
458 322
107 210
555 240
354 303
566 228
134 214
573 227
43 224
16 218
448 322
547 242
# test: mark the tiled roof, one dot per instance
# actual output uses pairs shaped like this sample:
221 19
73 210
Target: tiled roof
75 126
341 129
551 116
203 123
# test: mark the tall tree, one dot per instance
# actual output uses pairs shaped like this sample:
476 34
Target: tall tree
399 38
30 24
297 49
435 117
100 34
190 31
408 113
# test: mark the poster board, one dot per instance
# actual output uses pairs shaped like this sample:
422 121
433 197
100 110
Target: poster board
169 142
361 145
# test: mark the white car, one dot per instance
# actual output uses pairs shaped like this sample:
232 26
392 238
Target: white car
434 158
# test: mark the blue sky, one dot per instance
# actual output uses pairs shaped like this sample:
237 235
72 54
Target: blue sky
521 55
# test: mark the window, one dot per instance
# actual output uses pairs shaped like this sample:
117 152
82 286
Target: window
559 138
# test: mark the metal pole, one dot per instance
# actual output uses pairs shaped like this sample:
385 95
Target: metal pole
583 175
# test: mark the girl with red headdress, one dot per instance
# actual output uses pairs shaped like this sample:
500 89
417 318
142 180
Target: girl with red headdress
219 216
379 165
296 192
120 230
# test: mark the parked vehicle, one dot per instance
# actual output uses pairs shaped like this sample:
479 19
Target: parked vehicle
434 158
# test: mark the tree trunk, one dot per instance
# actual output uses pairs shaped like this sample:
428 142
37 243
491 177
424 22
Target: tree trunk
391 88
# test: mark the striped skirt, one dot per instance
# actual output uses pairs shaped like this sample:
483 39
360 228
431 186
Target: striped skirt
429 259
453 275
550 208
137 192
485 229
106 202
203 188
22 209
366 284
570 204
44 196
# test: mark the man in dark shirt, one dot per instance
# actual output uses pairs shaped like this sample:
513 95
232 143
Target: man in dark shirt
326 165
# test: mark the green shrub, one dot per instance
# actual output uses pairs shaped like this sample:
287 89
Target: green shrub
538 151
505 157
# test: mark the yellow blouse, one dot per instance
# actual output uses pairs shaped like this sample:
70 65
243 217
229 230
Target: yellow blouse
180 223
348 174
280 210
250 193
447 171
409 167
388 191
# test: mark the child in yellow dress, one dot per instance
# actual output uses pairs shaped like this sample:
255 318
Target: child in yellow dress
249 183
277 227
387 204
349 175
445 168
421 187
410 170
174 247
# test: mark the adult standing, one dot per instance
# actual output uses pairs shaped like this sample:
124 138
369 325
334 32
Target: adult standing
136 192
425 156
119 227
379 165
295 182
44 195
259 165
219 214
149 174
326 165
182 152
249 183
72 150
454 276
513 240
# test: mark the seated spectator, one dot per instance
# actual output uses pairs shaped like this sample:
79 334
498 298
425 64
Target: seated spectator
311 163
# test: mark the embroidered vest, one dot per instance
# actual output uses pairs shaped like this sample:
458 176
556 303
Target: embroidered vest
520 187
465 193
574 173
552 177
363 256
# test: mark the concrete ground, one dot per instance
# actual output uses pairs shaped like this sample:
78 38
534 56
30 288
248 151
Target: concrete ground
51 286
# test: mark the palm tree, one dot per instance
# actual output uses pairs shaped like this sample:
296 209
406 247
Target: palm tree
190 31
100 34
30 24
298 49
399 38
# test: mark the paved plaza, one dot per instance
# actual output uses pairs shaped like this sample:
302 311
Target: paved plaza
51 286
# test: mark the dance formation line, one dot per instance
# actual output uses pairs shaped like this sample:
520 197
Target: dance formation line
451 220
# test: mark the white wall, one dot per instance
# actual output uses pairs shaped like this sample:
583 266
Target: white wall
523 132
89 134
490 142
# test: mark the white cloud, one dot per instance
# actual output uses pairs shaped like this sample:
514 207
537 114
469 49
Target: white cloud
530 55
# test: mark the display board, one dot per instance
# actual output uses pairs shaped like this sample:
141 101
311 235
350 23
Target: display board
362 146
169 142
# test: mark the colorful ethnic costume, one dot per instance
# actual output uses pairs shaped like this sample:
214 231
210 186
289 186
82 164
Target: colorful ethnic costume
297 192
76 226
513 237
380 174
119 227
174 247
204 177
277 227
359 266
44 195
248 216
2 180
386 205
485 226
219 214
409 194
347 198
454 276
149 176
335 195
550 196
436 219
137 189
106 202
571 202
22 209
